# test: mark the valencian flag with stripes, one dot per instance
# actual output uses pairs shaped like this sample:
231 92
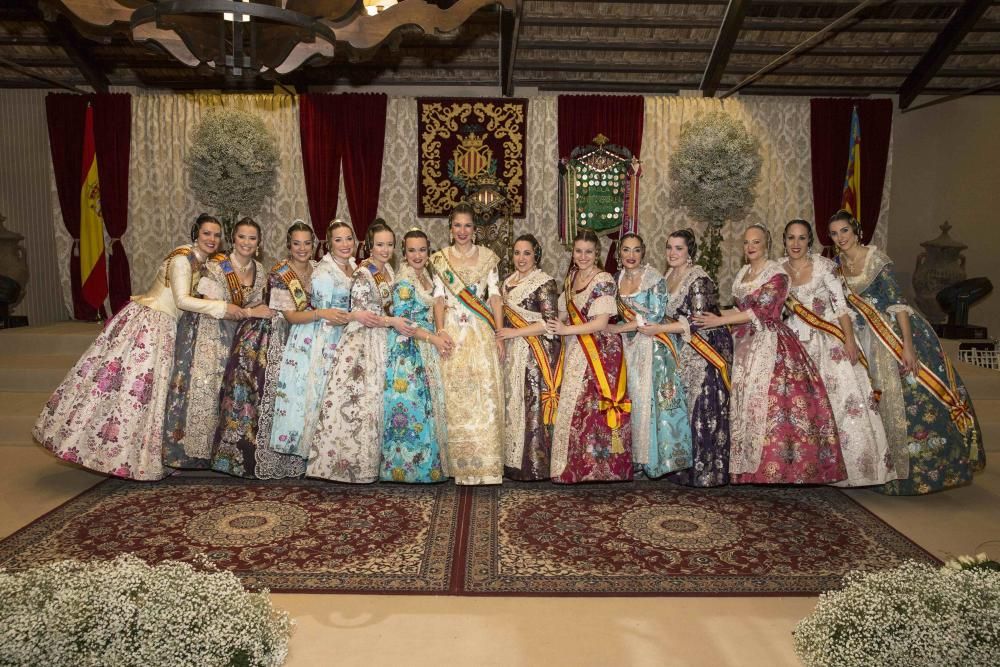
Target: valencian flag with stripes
851 201
93 270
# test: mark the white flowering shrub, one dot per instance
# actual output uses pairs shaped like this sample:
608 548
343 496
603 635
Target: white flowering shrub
125 612
233 162
915 615
714 174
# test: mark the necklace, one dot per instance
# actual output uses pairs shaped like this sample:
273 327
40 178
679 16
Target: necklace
517 277
241 269
797 271
462 254
752 273
589 276
630 274
339 262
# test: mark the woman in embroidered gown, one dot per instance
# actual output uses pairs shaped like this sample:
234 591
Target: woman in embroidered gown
592 439
107 415
246 401
415 430
932 429
202 350
816 296
705 359
661 433
782 428
314 332
530 297
347 446
473 306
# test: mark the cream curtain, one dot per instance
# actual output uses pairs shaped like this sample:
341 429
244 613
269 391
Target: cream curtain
162 207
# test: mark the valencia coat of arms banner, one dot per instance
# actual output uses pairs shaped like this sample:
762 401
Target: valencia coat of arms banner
465 138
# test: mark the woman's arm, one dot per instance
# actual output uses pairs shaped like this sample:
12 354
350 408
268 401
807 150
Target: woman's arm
180 288
597 324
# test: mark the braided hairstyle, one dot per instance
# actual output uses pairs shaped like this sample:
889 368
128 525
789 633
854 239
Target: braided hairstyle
690 241
536 247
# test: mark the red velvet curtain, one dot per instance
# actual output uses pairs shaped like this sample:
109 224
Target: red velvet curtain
318 128
618 117
830 137
361 126
113 135
65 113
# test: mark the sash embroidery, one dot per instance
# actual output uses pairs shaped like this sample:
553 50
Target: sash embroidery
550 397
627 314
287 275
613 402
232 281
947 394
712 356
450 277
383 284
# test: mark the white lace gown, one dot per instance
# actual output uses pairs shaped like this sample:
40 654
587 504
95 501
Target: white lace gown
862 435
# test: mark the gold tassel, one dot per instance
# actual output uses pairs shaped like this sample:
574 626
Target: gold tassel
617 447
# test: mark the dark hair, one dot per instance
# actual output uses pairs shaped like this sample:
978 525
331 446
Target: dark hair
298 226
246 222
536 247
767 235
631 235
690 241
335 224
202 219
459 209
799 221
378 225
845 216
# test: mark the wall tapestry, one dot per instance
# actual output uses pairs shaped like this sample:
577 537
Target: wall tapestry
462 138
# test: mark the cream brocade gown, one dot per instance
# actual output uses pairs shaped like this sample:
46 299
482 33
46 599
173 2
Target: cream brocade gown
473 383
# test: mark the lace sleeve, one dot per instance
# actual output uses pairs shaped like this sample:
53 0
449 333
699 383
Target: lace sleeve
837 299
180 288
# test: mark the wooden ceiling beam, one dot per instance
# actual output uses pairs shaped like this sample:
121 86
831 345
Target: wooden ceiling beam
64 36
510 33
758 24
964 18
725 39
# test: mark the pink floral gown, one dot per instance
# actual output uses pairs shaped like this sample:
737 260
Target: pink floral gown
783 429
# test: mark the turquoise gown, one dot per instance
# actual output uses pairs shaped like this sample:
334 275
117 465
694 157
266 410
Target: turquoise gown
306 362
661 430
414 424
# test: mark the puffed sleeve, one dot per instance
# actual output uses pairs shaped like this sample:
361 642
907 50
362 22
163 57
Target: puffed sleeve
439 292
493 284
180 288
892 292
768 300
837 299
604 296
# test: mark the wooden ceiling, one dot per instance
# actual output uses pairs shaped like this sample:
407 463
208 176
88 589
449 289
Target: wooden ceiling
905 47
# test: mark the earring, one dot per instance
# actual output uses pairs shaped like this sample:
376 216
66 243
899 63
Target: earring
690 261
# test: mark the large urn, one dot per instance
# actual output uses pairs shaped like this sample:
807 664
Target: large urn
13 264
940 264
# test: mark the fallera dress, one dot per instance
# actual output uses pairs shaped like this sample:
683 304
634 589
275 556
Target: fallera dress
246 399
585 445
661 432
107 414
703 356
413 401
200 356
527 438
782 430
347 445
859 426
306 361
932 429
473 382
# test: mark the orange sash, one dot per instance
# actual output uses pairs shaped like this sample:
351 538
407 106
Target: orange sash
232 280
947 394
627 314
550 397
613 402
712 356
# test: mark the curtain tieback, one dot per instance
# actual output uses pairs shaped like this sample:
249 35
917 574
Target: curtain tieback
76 246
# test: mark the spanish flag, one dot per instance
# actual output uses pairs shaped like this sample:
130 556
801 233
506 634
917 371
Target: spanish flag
851 201
93 271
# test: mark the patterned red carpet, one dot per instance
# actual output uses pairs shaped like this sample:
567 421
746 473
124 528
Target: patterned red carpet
647 538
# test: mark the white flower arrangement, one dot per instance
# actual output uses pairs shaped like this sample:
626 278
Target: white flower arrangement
915 615
714 174
233 162
125 612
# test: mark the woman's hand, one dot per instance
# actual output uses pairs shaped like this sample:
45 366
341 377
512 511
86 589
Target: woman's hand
369 319
709 320
334 316
441 345
501 350
446 337
910 361
616 328
506 333
853 353
652 329
556 327
261 311
234 312
402 326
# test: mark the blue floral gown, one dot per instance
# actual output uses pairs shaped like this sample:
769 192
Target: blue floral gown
306 362
415 431
930 450
661 432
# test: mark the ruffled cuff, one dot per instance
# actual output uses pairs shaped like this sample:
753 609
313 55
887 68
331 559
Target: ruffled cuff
686 333
899 308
